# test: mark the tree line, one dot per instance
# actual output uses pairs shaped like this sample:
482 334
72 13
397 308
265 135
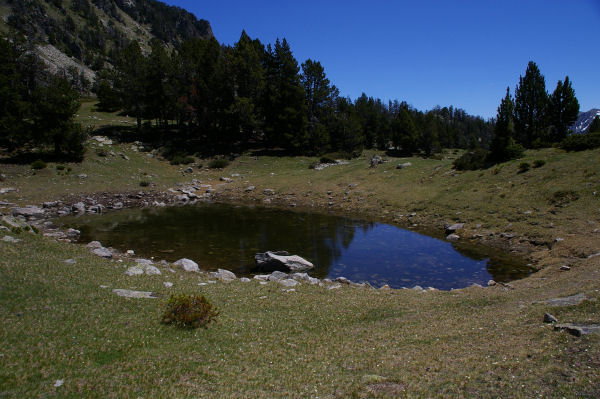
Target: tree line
220 99
36 107
534 118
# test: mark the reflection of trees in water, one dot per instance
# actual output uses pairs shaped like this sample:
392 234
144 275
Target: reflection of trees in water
500 265
225 236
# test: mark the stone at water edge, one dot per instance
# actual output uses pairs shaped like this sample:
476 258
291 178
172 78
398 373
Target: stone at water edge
453 237
103 252
288 282
94 244
187 264
30 211
224 275
451 228
269 261
277 275
78 207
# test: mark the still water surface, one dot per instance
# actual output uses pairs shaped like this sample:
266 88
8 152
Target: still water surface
227 236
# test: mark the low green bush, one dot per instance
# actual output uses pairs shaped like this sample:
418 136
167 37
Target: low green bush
563 197
538 163
580 142
524 167
181 160
144 183
60 167
38 164
472 160
189 311
218 163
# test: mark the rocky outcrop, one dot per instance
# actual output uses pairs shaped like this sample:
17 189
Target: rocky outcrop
282 261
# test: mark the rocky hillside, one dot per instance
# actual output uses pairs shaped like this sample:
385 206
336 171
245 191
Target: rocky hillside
86 34
584 120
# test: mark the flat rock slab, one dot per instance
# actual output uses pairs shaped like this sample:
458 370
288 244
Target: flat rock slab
134 294
578 329
567 301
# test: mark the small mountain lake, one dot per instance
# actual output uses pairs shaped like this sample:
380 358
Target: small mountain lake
228 236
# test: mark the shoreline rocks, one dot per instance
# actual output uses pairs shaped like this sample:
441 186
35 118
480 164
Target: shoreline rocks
282 261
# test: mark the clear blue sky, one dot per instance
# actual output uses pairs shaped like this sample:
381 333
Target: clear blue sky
460 52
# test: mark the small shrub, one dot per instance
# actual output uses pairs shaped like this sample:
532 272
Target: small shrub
580 142
69 169
38 164
181 160
60 167
218 163
495 171
144 183
189 311
101 152
538 163
523 167
472 160
313 165
563 197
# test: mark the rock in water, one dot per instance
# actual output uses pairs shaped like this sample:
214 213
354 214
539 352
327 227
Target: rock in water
187 264
270 261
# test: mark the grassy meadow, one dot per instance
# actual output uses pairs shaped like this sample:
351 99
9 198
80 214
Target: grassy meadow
66 334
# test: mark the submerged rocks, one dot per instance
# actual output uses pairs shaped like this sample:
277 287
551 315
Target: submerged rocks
271 261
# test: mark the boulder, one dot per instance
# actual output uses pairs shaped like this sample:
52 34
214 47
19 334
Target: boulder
451 228
30 211
94 244
78 207
151 270
453 237
282 261
187 264
268 191
134 271
277 275
10 239
249 189
578 329
134 294
225 179
14 222
224 275
103 252
288 282
404 165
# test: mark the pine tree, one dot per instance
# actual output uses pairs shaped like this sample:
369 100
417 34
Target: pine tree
564 109
531 105
405 136
503 146
320 98
285 108
131 82
595 125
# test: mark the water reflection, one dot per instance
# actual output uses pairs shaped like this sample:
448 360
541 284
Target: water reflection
225 236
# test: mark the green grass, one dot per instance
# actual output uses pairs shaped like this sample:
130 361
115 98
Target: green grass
59 323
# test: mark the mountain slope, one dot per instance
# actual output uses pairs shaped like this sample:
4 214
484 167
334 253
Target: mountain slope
90 32
584 120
